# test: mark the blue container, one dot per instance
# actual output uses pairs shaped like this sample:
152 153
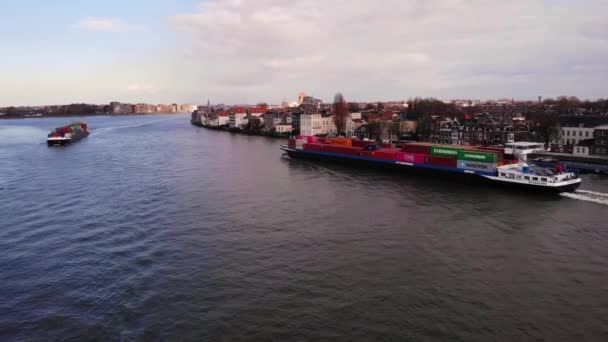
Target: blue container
525 169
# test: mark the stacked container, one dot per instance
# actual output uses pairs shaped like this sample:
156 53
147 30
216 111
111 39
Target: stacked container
478 161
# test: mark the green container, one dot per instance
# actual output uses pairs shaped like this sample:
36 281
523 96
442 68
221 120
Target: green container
442 151
483 157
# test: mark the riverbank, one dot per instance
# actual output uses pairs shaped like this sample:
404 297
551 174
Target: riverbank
38 116
272 135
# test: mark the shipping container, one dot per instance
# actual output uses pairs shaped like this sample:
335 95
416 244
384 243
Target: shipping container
339 141
441 161
416 148
348 150
484 157
410 157
362 143
300 143
387 145
291 143
371 147
384 155
311 139
312 147
476 166
445 151
500 152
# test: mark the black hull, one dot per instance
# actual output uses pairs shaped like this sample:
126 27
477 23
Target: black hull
438 174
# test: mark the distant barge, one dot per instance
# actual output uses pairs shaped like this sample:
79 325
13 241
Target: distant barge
493 165
67 134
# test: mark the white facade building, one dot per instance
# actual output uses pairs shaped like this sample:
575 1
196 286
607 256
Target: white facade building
237 120
315 124
580 150
283 128
574 135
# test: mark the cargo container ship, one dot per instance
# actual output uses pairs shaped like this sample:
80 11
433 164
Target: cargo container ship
67 134
505 166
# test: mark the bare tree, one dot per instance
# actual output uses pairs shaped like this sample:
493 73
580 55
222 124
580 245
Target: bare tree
340 113
546 125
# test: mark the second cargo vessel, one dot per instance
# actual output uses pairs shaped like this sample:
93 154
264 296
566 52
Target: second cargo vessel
496 165
67 134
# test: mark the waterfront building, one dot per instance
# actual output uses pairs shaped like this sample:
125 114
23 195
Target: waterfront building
601 140
237 117
573 135
187 108
121 108
316 124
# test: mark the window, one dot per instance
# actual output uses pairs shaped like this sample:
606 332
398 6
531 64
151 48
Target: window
527 177
587 134
580 133
568 133
543 179
577 149
534 178
502 174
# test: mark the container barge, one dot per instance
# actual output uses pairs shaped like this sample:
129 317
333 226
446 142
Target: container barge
67 134
504 166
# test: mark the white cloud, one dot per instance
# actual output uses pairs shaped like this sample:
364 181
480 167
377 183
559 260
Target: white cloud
142 88
396 48
105 25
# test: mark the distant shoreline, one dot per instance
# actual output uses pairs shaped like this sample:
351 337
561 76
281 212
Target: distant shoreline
84 115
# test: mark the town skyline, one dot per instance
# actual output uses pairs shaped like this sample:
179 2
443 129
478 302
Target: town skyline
240 52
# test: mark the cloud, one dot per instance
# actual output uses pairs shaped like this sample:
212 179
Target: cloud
142 88
397 48
105 25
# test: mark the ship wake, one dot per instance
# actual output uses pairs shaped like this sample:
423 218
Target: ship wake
588 196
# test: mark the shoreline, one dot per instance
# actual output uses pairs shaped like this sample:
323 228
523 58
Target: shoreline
84 115
240 131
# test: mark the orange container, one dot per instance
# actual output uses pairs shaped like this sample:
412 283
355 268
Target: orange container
340 141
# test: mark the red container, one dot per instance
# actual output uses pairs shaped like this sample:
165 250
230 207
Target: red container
441 161
320 140
291 143
312 147
416 148
311 140
367 154
387 146
410 157
362 143
384 155
347 150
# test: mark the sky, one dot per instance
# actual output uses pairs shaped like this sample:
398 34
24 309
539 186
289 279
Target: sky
250 51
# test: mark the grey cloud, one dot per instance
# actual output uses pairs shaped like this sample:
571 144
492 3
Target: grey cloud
396 48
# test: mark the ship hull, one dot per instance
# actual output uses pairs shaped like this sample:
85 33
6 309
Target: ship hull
428 171
64 141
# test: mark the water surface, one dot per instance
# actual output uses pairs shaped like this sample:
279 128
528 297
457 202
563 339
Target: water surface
152 229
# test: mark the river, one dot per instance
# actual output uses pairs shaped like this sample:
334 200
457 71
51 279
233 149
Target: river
153 229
